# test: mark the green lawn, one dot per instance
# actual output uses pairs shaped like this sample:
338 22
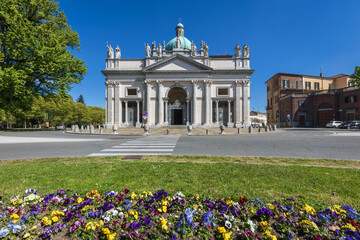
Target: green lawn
265 178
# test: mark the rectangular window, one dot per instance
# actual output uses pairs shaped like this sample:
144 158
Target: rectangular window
308 85
317 86
350 84
300 103
223 92
268 88
297 84
131 91
286 84
329 85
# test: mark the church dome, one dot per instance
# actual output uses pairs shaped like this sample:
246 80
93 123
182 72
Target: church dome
185 43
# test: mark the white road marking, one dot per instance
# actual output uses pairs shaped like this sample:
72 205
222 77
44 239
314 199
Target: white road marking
138 150
157 145
124 154
14 140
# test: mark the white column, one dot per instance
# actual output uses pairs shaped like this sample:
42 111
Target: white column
120 112
116 103
126 113
187 112
137 112
148 106
106 102
166 112
194 118
217 112
229 112
246 113
161 104
207 85
238 105
110 101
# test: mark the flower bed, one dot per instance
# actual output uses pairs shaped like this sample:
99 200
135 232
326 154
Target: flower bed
127 215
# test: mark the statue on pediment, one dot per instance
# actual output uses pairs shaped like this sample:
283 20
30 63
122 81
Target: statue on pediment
237 51
117 52
153 45
206 50
147 50
110 51
193 49
159 50
246 51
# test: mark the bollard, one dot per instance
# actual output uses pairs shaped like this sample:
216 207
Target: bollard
115 128
207 131
250 129
82 129
167 131
146 129
76 128
259 129
266 128
101 130
73 128
222 129
238 130
274 128
92 130
189 129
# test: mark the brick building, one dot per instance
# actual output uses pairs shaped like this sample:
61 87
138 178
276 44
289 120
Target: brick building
311 101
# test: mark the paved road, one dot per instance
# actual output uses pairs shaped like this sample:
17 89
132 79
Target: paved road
293 143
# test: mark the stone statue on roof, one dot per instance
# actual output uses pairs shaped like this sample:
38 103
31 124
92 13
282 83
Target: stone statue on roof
117 52
206 50
246 51
110 51
153 45
237 51
147 50
193 49
159 50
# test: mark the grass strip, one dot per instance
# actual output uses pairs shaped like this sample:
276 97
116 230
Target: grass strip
264 178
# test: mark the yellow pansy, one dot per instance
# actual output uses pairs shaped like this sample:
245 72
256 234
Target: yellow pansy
111 236
338 210
55 219
271 207
46 221
197 196
133 195
33 228
221 230
79 200
264 224
105 231
349 226
227 236
309 209
15 216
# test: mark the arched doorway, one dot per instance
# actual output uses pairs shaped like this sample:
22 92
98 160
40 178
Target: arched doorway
177 106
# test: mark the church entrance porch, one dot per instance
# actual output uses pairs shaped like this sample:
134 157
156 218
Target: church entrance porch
177 107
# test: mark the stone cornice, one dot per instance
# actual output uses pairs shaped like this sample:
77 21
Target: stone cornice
172 72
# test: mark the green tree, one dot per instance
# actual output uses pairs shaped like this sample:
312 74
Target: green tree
81 99
35 56
356 76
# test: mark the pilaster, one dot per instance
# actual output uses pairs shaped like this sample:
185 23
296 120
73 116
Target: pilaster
194 110
246 99
238 103
160 102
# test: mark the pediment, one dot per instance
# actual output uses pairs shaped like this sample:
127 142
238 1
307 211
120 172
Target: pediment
177 63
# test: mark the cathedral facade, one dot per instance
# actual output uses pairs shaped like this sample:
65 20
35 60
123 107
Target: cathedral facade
178 84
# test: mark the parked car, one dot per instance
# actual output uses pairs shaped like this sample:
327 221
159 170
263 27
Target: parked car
60 127
355 124
345 124
333 124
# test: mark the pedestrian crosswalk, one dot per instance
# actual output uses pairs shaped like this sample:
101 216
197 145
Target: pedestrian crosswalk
150 145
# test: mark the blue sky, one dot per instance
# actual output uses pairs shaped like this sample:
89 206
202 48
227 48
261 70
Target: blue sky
293 36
